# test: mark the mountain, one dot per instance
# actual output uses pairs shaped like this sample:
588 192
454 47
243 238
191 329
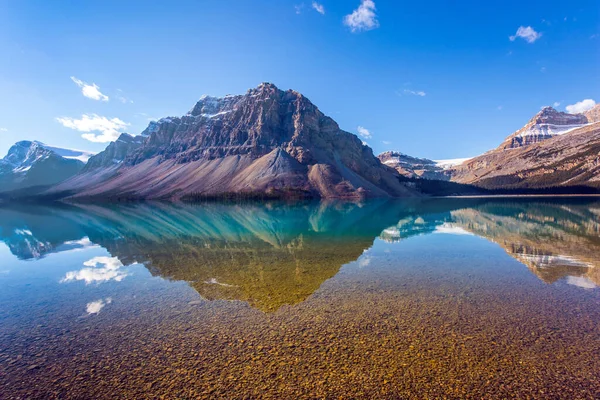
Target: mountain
553 150
413 167
267 142
31 164
544 125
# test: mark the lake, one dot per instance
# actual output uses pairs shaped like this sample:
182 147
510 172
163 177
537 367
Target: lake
434 298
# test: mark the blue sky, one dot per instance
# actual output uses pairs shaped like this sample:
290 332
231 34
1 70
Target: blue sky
435 79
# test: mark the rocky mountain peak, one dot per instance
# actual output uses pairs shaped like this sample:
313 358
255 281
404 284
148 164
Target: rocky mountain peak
116 151
549 115
546 124
266 140
32 163
24 153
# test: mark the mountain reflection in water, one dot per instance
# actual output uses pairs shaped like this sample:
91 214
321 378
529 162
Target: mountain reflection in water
273 254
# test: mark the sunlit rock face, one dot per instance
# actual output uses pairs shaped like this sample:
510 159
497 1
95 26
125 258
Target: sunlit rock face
264 142
544 125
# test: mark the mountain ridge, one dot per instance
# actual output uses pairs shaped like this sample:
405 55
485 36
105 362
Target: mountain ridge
264 142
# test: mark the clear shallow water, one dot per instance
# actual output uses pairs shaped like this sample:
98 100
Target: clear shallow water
456 298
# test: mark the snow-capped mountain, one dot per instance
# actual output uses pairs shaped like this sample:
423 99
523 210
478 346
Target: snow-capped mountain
544 125
413 167
31 163
554 149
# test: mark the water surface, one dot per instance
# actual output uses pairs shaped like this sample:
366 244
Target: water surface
454 298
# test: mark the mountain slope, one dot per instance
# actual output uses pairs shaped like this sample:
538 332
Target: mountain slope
570 159
29 164
266 142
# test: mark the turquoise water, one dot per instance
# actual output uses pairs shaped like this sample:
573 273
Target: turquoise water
455 298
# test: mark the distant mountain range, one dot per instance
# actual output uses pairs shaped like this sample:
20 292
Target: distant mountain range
269 143
553 150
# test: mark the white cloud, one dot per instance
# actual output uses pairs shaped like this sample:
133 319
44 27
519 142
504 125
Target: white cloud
318 7
386 142
363 18
3 130
95 306
556 104
581 106
299 8
104 129
415 92
90 91
527 33
364 132
109 271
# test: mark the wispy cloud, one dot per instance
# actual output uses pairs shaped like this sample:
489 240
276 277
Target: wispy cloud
121 97
581 106
527 33
363 18
556 104
386 142
414 92
318 7
298 8
3 130
98 129
91 91
364 132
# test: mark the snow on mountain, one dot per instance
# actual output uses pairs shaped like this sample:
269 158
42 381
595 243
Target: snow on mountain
451 162
69 154
31 163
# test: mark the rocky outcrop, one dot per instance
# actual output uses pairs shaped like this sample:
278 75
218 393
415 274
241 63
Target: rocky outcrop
32 164
544 125
267 141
